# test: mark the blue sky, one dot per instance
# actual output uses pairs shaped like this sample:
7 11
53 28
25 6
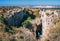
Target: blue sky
29 2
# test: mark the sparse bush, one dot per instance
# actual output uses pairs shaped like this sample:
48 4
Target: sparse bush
56 20
29 18
2 27
27 24
47 14
2 19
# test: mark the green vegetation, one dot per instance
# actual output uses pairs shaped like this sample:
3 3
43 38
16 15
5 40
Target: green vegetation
29 18
2 23
2 19
27 24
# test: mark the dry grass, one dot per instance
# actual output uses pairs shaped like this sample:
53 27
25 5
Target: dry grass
4 36
51 34
23 35
19 34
